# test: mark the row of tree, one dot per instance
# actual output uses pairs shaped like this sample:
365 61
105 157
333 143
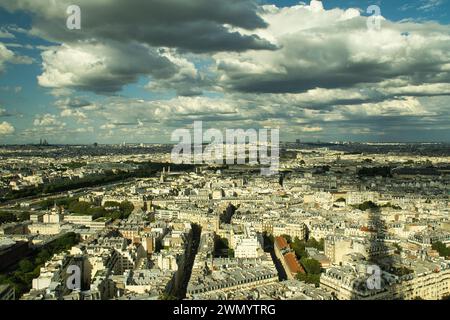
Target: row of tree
375 171
144 170
111 209
29 268
6 217
311 266
440 247
369 205
299 246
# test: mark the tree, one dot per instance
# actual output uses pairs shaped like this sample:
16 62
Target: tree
321 246
29 269
299 247
311 266
46 204
309 278
25 265
111 204
63 243
7 217
42 256
312 243
287 237
65 202
97 212
441 248
80 207
375 171
365 206
24 216
126 208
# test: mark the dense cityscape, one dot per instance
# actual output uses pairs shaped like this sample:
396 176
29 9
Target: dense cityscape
205 159
139 227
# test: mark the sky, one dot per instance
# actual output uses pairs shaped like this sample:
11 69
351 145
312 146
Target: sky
138 70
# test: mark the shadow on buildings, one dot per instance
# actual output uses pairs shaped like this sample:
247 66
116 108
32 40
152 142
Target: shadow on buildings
269 247
381 255
190 257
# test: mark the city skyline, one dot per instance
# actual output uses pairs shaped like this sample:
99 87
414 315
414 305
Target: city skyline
137 71
332 222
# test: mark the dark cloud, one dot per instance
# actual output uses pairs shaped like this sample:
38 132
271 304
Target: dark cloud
194 25
102 67
125 38
335 49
